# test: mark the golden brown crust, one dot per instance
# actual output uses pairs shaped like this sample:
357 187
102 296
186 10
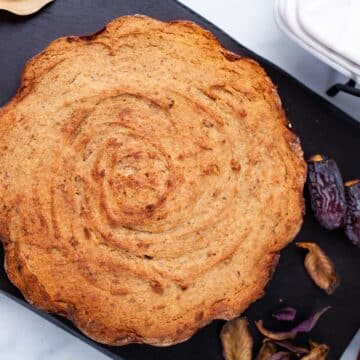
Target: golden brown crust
148 181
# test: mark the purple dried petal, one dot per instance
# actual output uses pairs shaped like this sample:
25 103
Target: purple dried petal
285 314
305 326
308 324
281 355
291 347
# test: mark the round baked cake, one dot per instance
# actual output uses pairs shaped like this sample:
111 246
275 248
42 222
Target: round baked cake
148 181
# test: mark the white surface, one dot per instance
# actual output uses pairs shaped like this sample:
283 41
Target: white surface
353 348
26 336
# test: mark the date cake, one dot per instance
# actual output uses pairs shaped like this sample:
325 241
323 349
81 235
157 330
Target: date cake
148 181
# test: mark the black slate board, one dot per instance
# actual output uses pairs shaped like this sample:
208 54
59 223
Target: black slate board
321 127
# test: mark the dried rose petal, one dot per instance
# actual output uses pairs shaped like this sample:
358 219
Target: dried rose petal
291 347
320 267
305 326
266 351
272 334
317 353
285 314
281 355
308 324
236 340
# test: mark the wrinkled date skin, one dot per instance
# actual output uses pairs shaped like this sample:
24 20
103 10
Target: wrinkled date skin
326 192
352 219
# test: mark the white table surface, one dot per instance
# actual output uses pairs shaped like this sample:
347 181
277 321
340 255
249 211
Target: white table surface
26 336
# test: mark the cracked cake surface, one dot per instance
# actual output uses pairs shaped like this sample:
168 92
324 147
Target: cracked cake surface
148 180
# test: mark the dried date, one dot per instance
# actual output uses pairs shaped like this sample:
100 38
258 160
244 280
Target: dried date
326 192
352 218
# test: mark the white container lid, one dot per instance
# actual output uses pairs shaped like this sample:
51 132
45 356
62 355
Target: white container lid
333 23
287 16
